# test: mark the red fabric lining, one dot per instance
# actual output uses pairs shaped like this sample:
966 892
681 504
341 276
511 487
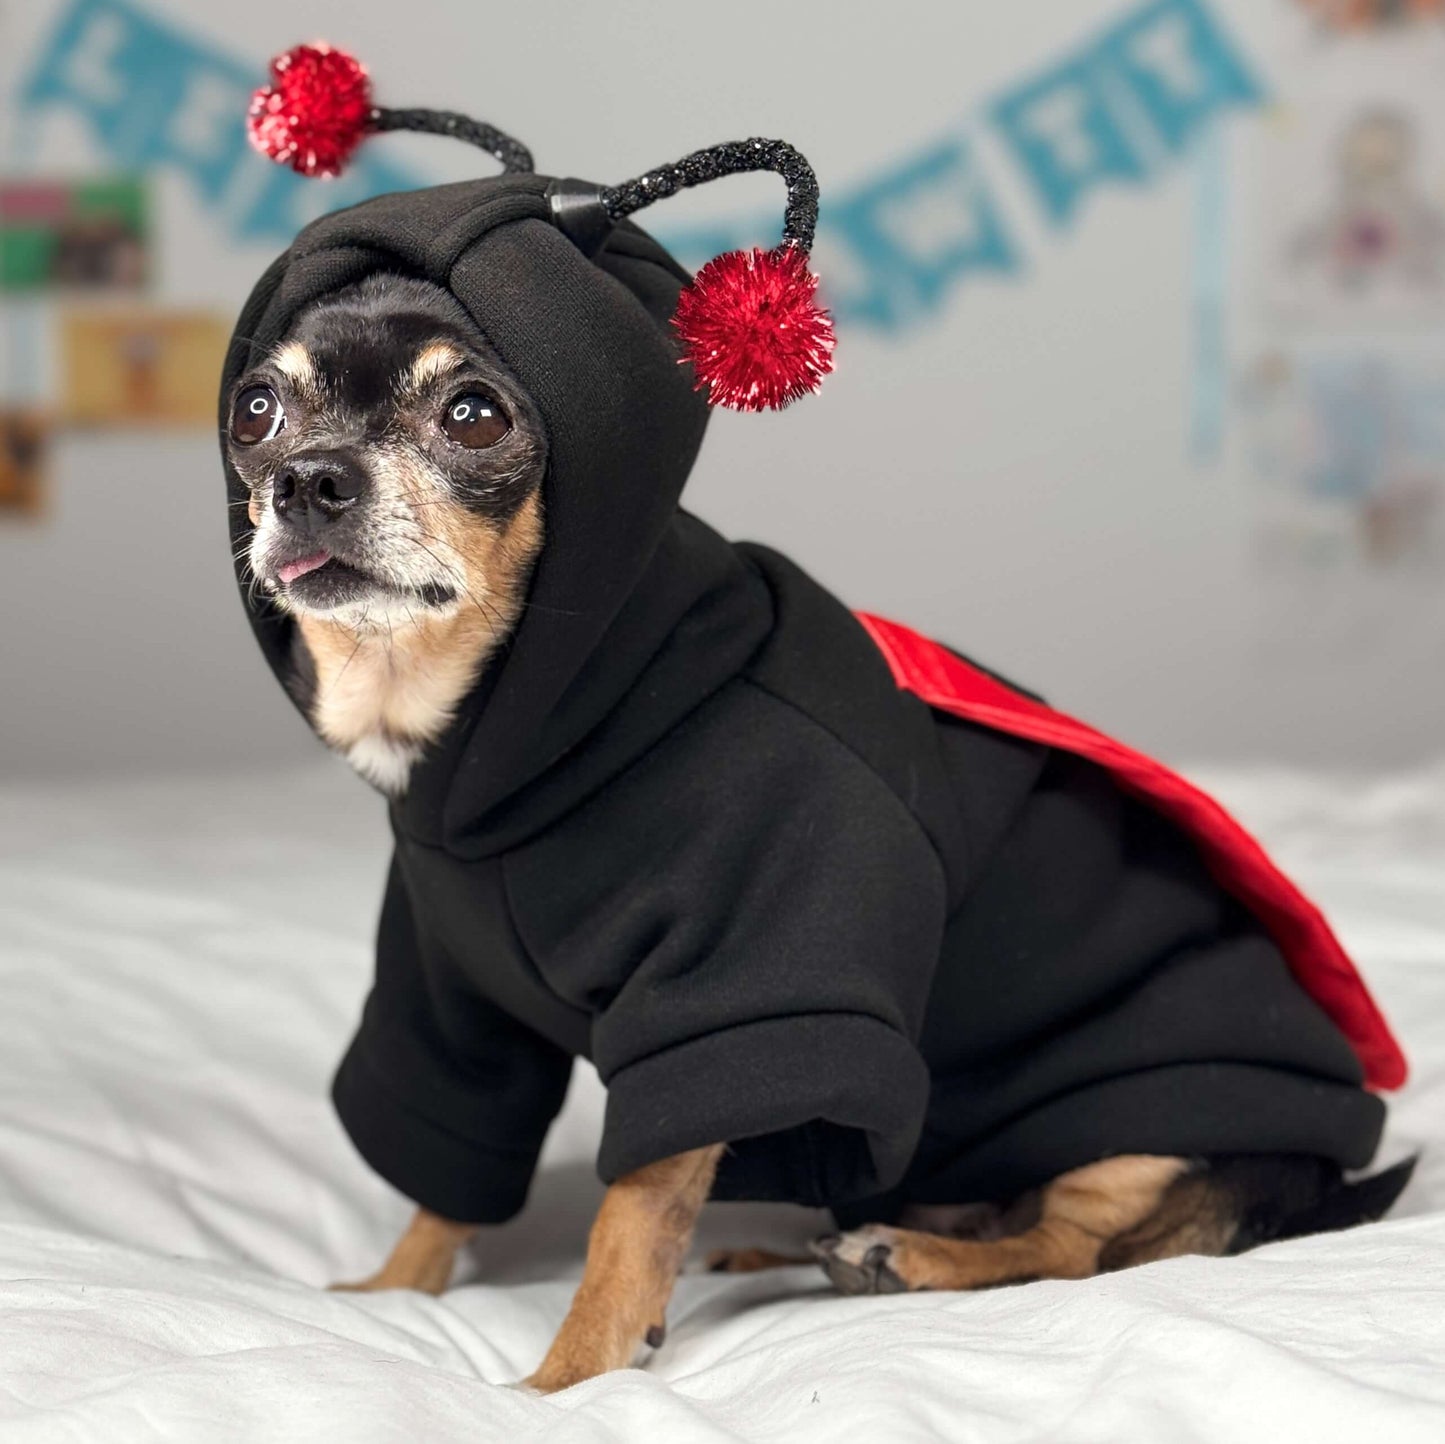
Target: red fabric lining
1312 951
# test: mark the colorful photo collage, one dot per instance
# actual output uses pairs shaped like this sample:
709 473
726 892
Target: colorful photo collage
77 265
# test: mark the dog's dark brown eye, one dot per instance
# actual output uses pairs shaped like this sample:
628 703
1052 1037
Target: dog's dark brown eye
256 416
475 421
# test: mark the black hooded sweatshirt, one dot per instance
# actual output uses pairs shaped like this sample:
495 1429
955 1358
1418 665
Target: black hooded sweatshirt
689 825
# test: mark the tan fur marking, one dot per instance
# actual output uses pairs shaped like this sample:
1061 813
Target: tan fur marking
422 1258
635 1250
1081 1212
433 361
1192 1218
397 687
294 362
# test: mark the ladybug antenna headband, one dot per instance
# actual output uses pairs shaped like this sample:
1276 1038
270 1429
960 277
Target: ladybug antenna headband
318 109
750 323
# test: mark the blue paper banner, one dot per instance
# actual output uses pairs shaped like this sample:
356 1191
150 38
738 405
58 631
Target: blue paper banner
1066 133
1177 66
1139 93
892 248
1121 109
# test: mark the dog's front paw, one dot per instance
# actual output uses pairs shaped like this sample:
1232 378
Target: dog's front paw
864 1261
553 1381
429 1277
561 1373
579 1354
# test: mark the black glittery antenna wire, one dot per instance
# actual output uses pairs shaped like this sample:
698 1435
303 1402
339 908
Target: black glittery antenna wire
514 156
733 157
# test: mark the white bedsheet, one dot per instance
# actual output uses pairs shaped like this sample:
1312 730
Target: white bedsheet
180 965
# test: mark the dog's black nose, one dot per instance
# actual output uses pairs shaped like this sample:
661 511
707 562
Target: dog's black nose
315 487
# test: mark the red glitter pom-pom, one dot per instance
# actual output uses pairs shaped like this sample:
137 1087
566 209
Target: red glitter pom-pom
315 111
753 330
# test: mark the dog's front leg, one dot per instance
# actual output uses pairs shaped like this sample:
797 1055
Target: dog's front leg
636 1248
422 1258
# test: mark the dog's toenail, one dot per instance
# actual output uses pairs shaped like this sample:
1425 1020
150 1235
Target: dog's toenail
655 1335
889 1282
877 1255
826 1246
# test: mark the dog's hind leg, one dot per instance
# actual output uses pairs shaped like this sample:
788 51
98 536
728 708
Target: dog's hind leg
1119 1212
1239 1201
953 1220
635 1250
1079 1213
422 1258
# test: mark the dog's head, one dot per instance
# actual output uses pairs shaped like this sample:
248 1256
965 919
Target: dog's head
393 466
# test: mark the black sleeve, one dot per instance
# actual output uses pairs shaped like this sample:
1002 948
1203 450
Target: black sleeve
446 1095
759 936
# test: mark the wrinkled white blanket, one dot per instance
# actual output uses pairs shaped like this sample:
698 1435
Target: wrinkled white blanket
180 964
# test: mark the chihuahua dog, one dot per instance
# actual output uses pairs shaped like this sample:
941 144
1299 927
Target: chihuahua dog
395 472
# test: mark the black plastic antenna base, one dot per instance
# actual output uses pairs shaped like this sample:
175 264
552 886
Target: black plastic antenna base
579 213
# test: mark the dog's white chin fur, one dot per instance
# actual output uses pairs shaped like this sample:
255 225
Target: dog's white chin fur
384 762
381 614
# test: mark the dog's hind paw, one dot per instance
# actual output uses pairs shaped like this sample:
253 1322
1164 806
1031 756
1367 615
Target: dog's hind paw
860 1262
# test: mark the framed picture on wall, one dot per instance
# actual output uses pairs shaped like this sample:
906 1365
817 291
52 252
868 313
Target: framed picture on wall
1348 446
24 457
153 367
1354 217
91 234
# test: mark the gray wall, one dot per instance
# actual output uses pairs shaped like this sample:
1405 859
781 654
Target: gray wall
1013 475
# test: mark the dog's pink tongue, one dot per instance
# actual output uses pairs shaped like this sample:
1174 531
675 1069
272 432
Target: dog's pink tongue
289 571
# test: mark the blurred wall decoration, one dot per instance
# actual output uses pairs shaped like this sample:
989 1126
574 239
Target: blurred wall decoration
1118 108
1350 447
73 233
24 444
62 240
1346 396
152 95
142 368
1356 235
1115 109
1142 308
1348 15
